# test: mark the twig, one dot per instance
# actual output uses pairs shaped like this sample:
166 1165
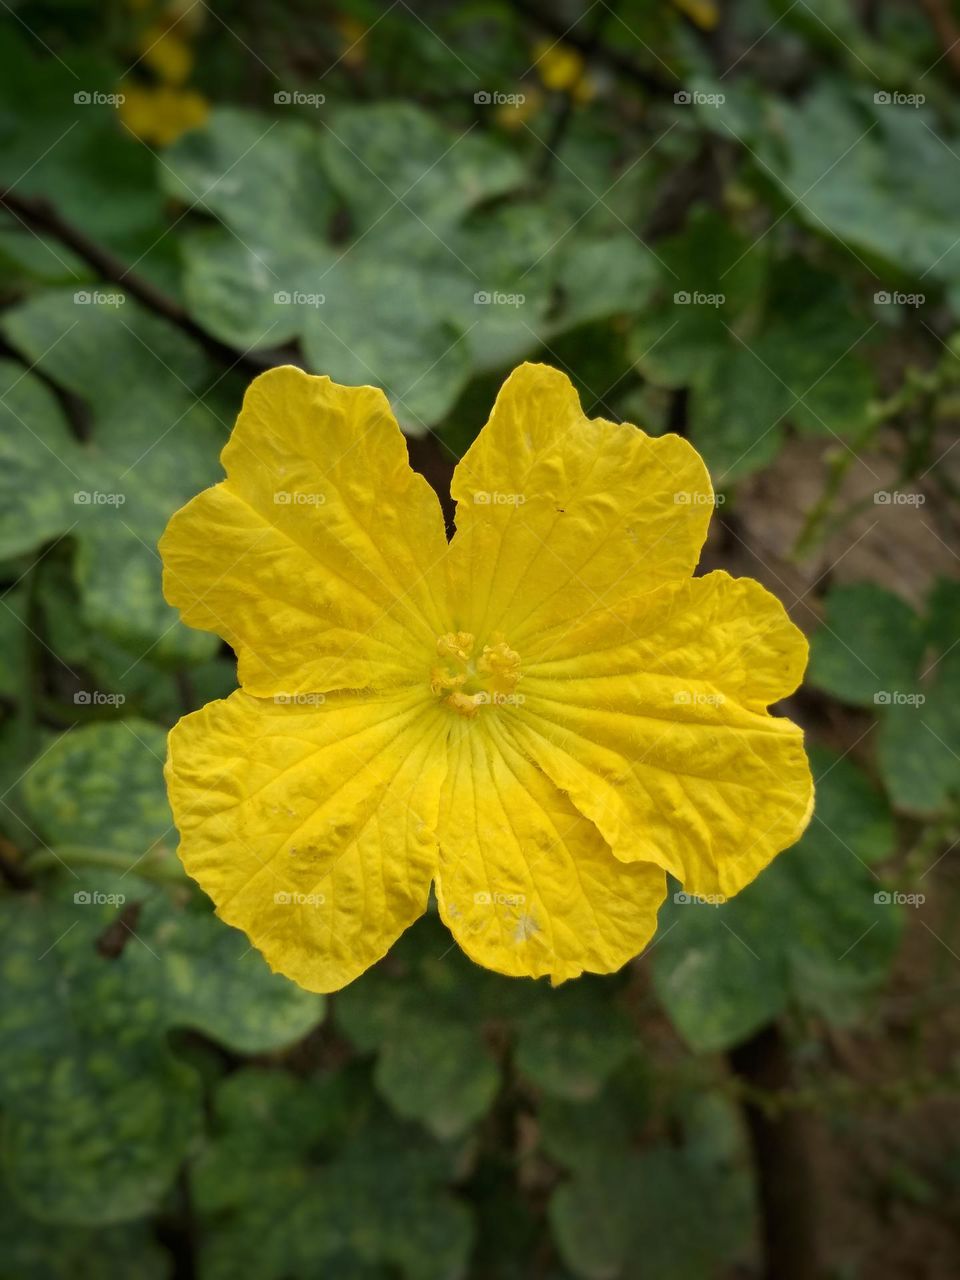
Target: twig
948 32
41 215
555 25
782 1159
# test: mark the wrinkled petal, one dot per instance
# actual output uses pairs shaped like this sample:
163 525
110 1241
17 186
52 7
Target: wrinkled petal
318 558
559 514
651 717
311 826
526 884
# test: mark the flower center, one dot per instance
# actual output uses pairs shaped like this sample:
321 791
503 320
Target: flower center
467 680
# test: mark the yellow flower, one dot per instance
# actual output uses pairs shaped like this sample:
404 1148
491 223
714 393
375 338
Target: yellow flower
542 717
703 13
560 65
167 53
562 69
160 115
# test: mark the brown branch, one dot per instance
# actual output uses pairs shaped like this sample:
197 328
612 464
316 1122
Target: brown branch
40 215
556 26
948 32
782 1159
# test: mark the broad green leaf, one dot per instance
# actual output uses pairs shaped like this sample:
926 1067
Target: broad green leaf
808 932
835 153
75 152
154 445
40 466
101 786
42 1251
94 978
394 154
102 1140
616 1217
425 1023
868 648
375 1197
573 1038
919 746
760 344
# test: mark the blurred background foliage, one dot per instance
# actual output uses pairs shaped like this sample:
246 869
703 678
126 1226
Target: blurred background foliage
737 221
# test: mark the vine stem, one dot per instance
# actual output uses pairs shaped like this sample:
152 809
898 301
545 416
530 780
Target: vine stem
40 214
150 867
780 1140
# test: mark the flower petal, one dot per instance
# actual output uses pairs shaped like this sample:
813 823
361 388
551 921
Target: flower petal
311 827
559 514
526 884
651 717
315 557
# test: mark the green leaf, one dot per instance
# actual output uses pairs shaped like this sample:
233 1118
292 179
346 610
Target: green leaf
759 343
214 982
617 1215
573 1038
77 154
101 786
835 153
375 1196
93 980
808 931
155 444
39 460
423 1018
868 647
102 1140
395 154
42 1251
